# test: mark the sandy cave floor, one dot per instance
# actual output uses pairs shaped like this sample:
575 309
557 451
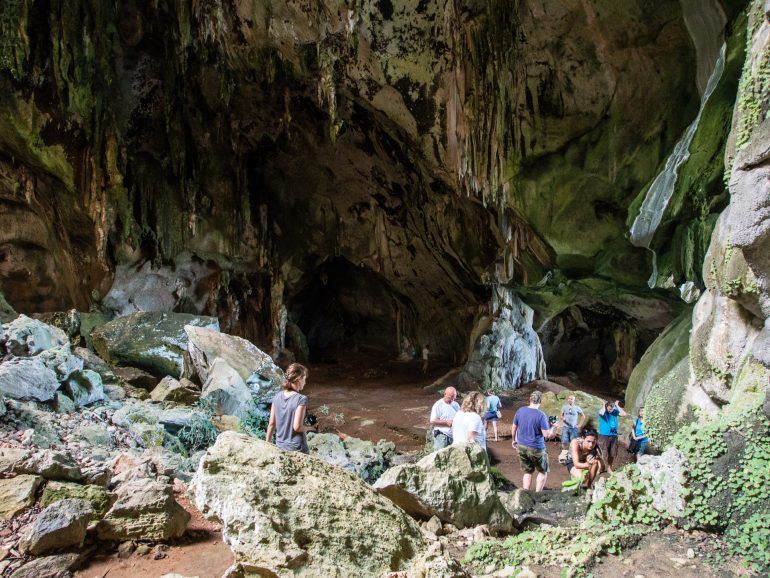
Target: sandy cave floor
391 400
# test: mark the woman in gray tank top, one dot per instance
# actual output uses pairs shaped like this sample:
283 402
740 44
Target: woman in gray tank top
287 413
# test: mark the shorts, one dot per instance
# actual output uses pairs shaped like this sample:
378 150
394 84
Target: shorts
441 440
532 459
491 416
608 445
568 433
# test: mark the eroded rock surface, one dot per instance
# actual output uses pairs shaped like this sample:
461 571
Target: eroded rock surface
291 514
453 484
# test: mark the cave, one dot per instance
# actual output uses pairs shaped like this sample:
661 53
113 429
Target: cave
344 309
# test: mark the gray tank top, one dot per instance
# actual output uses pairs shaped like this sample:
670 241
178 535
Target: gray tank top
285 436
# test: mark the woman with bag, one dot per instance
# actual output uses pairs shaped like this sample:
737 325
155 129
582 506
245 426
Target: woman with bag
493 413
637 439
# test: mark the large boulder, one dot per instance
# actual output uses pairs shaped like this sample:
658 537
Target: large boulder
505 350
154 342
453 484
254 366
17 494
363 458
225 390
145 510
60 525
26 337
288 514
27 379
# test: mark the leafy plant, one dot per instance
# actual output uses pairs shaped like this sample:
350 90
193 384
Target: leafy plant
200 432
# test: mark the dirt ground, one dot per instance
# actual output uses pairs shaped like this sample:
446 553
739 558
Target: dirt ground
389 400
365 398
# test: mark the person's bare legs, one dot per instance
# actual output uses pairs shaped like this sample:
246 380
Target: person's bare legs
540 483
527 481
593 471
494 429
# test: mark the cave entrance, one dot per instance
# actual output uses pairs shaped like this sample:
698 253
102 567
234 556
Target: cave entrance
344 309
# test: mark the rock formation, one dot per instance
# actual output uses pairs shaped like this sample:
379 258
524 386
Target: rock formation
287 513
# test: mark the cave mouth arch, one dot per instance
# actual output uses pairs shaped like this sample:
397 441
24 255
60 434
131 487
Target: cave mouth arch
343 308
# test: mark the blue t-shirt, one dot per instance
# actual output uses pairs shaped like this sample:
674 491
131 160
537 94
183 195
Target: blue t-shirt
639 428
493 402
531 424
608 423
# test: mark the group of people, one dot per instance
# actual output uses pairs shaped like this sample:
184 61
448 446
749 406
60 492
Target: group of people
585 452
453 423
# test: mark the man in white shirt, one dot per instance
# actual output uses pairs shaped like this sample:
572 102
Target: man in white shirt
441 416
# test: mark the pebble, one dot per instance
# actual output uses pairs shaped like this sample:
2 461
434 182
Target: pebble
690 553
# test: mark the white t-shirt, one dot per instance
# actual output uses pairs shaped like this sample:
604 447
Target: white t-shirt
465 422
442 410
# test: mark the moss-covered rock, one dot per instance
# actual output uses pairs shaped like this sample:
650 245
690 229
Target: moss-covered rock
671 347
154 342
99 498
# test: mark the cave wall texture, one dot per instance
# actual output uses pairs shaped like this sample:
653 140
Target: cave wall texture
367 170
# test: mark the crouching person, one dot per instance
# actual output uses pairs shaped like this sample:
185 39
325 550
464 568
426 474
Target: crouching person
584 459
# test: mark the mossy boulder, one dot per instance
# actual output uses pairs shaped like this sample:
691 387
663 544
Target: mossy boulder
671 347
154 342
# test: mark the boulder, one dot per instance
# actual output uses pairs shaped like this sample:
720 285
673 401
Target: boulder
99 498
50 464
25 337
135 413
254 366
286 513
27 379
136 377
60 566
145 510
63 403
182 391
663 479
92 361
60 525
17 494
506 351
226 391
363 458
453 484
85 387
61 360
551 507
7 312
2 405
154 342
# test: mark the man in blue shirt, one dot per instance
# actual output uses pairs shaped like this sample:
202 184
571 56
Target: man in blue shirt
529 431
608 430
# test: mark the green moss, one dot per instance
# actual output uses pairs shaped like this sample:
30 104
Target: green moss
671 347
665 406
98 497
14 40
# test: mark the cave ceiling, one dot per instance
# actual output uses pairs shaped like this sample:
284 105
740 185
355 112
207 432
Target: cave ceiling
439 146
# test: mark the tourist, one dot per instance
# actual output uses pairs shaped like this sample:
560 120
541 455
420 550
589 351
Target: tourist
287 412
467 426
529 432
638 437
425 354
492 414
441 415
584 458
608 430
572 419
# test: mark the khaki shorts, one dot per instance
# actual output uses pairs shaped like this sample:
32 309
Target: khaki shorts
532 459
609 446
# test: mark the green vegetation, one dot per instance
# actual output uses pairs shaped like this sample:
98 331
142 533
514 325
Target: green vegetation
201 432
